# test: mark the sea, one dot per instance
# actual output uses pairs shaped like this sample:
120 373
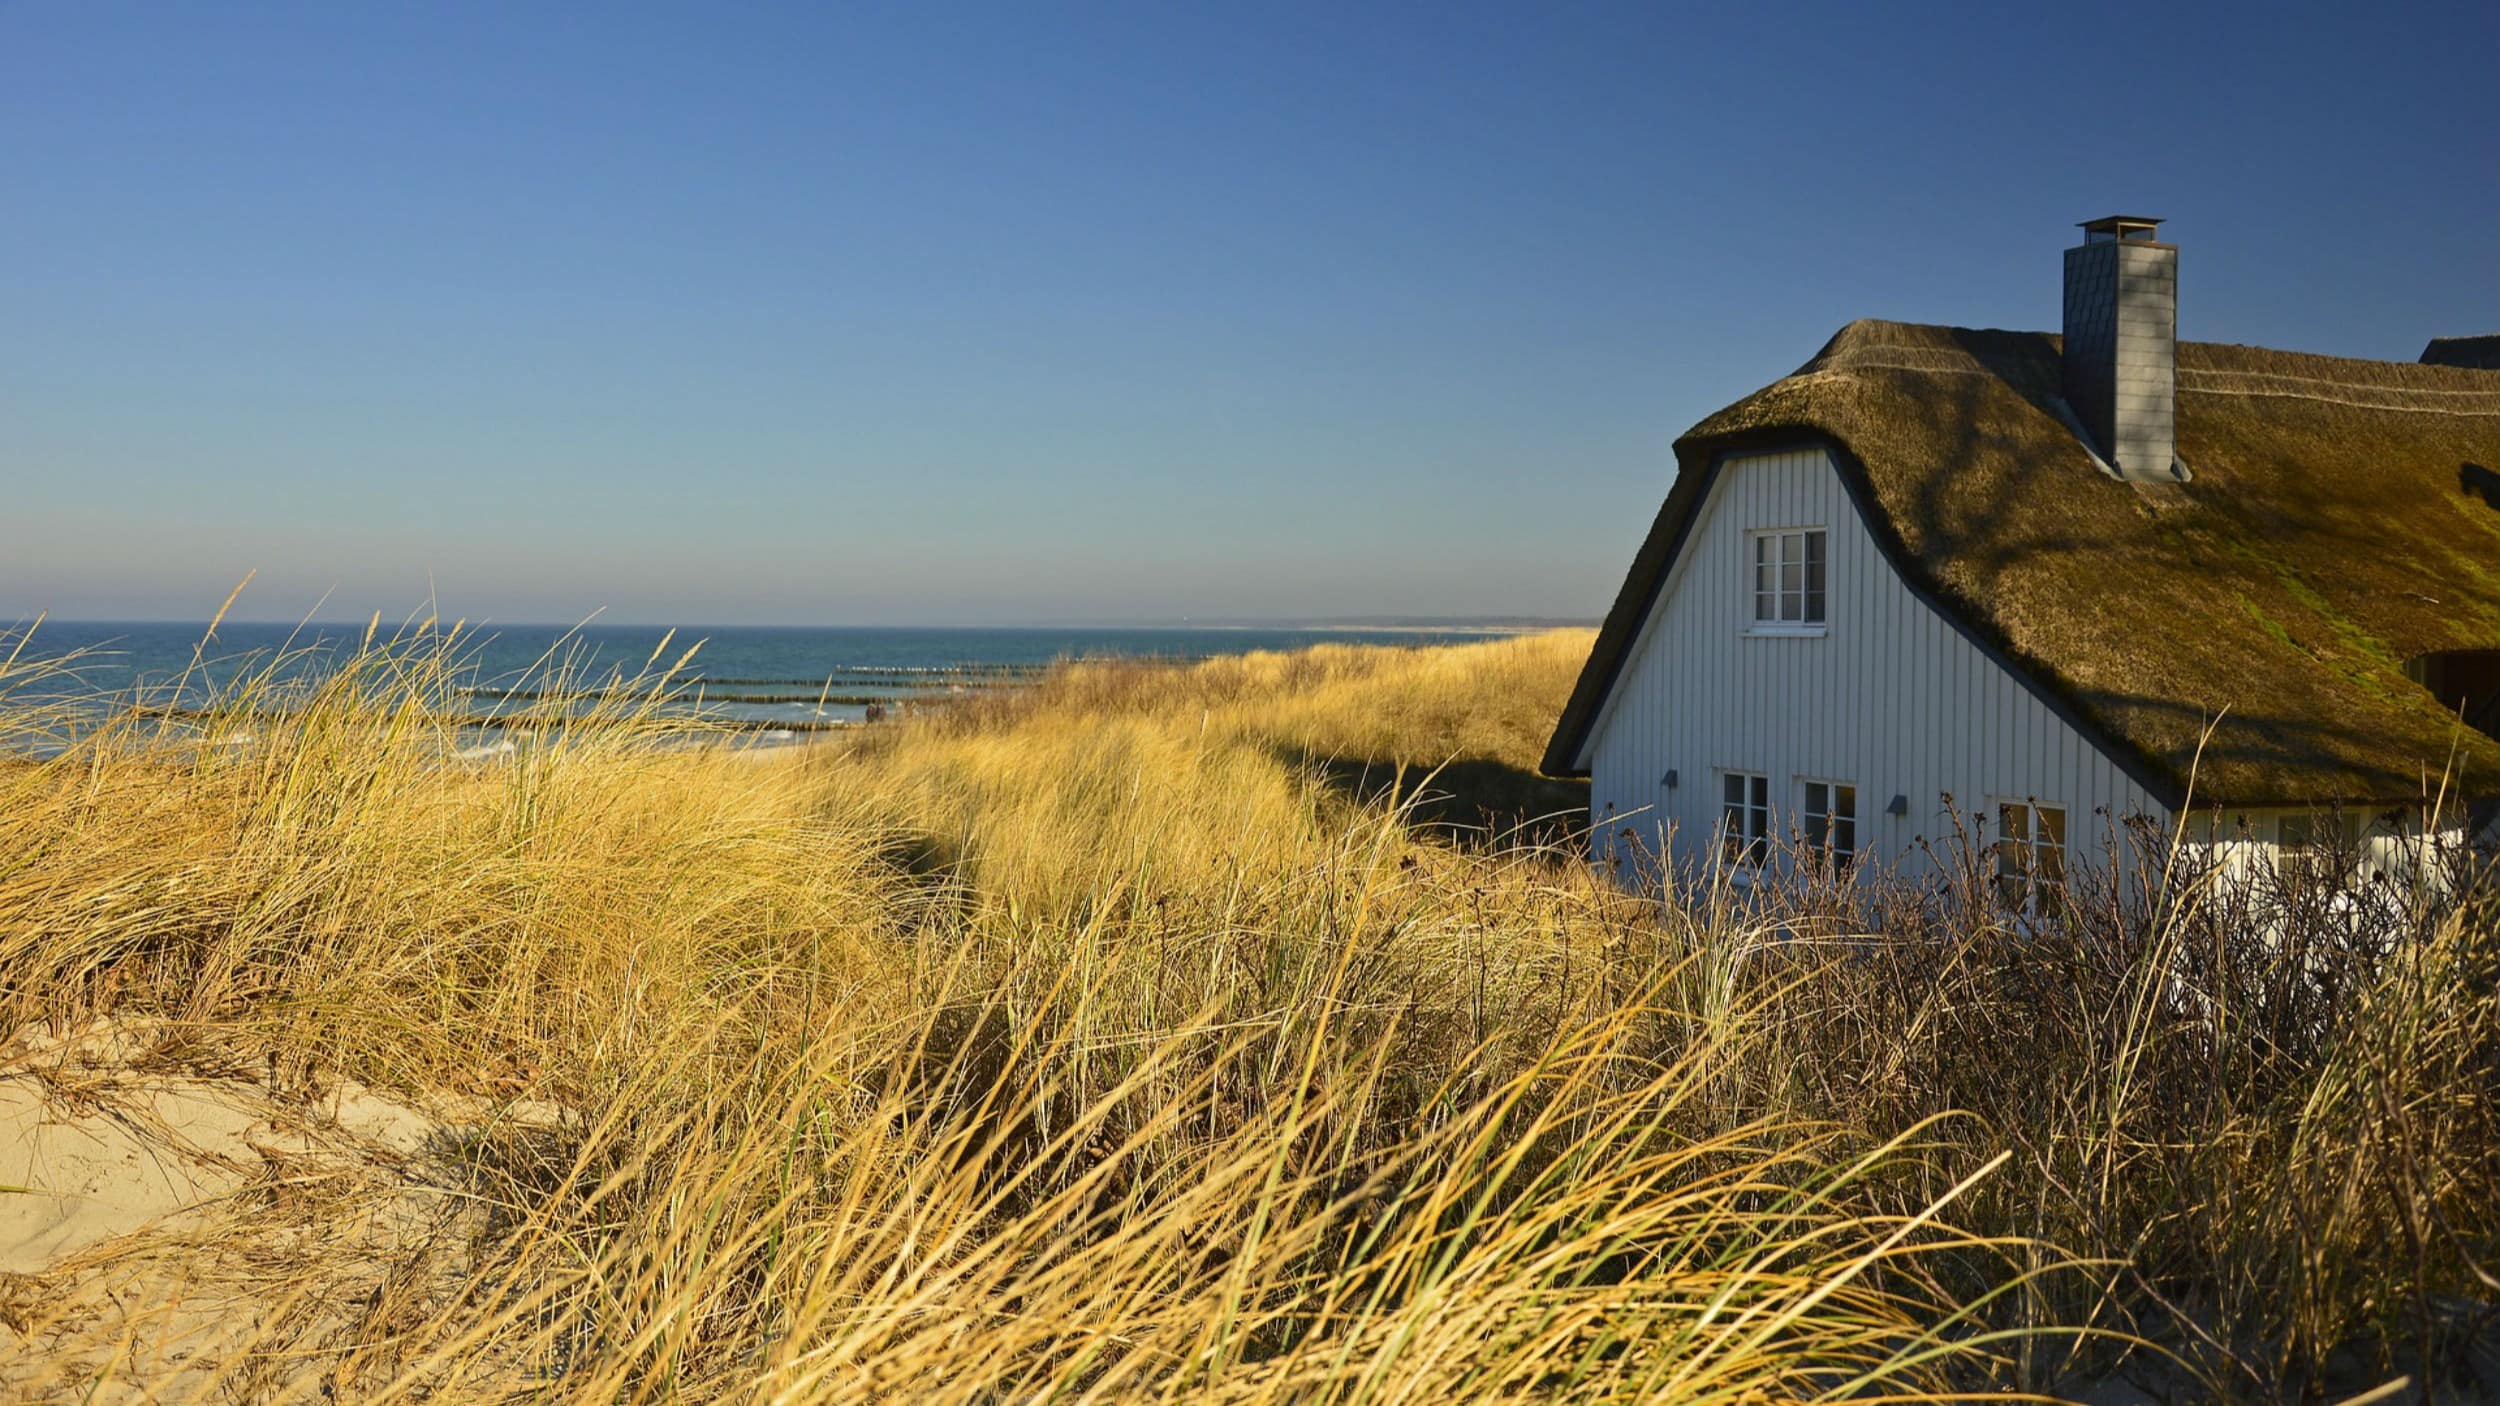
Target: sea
774 684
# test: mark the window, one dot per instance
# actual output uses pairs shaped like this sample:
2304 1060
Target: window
1831 816
2317 845
1788 570
2031 856
1745 817
2319 831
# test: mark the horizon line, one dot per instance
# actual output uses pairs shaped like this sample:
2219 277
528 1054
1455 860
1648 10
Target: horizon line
1391 623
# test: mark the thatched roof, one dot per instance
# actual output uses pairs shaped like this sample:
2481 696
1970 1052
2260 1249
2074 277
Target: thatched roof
2343 518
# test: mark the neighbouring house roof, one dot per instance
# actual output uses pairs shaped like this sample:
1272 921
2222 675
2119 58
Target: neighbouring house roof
2480 352
2250 627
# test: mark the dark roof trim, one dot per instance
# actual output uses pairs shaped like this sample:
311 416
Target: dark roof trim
1656 562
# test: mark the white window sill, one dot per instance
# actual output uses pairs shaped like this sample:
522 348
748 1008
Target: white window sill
1787 632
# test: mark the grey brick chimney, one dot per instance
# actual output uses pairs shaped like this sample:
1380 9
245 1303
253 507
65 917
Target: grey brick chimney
2122 346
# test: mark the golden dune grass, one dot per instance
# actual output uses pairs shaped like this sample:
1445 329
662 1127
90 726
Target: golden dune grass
1112 1039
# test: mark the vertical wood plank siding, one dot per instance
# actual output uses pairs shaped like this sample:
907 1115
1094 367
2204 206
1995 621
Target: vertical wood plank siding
1891 698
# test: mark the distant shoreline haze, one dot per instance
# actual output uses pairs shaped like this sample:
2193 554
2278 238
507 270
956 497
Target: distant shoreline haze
1491 624
780 680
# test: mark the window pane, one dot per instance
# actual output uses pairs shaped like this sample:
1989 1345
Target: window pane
1814 547
2052 826
1844 836
1762 793
1814 592
1818 798
1845 800
1732 790
2013 853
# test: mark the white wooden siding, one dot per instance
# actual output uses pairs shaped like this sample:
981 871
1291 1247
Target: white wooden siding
1891 698
2394 842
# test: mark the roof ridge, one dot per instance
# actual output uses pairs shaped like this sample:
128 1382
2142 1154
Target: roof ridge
1971 365
1878 333
2361 395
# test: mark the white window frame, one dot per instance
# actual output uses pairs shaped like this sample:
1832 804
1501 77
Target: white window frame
1767 550
1820 846
2043 868
1747 842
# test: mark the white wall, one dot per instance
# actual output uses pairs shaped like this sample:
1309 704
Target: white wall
1890 698
2393 843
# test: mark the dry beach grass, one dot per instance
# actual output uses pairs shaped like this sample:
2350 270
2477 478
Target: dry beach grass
1149 1033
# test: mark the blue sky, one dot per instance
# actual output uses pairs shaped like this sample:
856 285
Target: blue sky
936 313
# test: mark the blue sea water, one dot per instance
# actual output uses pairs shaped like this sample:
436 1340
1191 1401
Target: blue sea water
747 674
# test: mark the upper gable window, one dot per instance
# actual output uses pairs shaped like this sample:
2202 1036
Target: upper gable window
1788 572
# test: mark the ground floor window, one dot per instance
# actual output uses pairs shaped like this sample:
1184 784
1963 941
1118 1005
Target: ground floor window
2318 845
1745 816
1831 821
2031 856
2315 831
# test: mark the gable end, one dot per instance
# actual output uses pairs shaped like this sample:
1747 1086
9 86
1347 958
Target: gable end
1654 566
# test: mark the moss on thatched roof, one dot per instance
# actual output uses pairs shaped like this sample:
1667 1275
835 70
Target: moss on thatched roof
2343 518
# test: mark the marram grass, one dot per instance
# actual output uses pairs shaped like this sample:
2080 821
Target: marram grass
1126 1038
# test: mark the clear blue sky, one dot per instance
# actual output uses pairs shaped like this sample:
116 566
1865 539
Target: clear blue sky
929 313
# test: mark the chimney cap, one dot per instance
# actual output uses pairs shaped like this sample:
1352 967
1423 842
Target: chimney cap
2127 227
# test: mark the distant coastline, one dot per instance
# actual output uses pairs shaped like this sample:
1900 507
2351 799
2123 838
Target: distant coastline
1384 624
1479 625
777 681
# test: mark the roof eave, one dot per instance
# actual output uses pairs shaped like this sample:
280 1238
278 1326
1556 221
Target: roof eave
1698 457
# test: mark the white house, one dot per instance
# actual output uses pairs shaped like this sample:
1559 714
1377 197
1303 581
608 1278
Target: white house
2022 588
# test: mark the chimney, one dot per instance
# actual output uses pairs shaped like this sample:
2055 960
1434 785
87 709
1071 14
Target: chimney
2122 346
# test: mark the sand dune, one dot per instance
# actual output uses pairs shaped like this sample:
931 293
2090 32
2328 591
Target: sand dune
170 1215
